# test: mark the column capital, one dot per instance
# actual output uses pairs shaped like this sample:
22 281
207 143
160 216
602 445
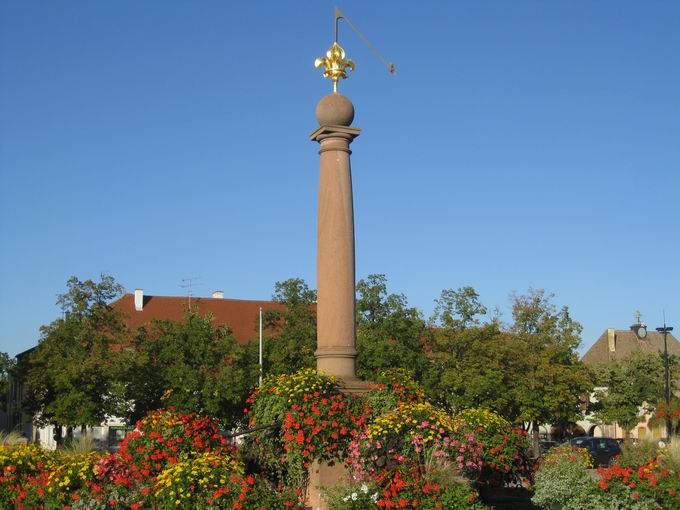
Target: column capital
328 131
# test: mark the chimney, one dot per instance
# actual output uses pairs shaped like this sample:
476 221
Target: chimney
218 294
611 339
139 300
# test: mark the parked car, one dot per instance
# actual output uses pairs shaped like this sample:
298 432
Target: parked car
602 449
544 446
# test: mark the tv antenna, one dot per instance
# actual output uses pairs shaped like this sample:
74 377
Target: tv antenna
189 284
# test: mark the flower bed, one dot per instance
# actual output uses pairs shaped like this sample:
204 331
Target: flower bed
504 448
171 460
317 422
417 456
401 452
562 481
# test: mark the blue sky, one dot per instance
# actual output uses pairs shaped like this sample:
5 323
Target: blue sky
521 144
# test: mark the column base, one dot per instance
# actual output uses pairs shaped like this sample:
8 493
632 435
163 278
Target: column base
339 362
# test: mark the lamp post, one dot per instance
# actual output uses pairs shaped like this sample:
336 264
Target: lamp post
667 377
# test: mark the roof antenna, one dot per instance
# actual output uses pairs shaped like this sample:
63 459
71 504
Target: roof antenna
189 284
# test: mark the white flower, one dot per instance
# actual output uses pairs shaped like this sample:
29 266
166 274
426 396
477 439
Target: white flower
354 496
662 444
374 497
346 498
364 488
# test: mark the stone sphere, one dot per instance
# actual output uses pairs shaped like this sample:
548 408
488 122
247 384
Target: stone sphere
335 110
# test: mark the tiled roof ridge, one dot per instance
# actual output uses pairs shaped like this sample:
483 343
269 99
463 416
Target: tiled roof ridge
157 296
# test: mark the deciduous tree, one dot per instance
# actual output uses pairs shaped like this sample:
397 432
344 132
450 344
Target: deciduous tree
190 365
291 345
70 375
389 332
629 387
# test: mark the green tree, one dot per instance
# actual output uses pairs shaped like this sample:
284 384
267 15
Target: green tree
70 375
7 365
554 379
630 386
456 309
389 332
529 374
292 342
190 365
473 367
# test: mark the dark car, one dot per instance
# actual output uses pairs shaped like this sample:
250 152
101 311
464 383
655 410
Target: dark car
602 449
544 446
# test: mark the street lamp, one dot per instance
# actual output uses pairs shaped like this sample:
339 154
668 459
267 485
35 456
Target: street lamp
667 377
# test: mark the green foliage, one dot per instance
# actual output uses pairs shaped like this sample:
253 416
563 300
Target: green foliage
651 483
630 385
17 463
457 496
391 387
530 373
7 365
312 421
670 455
457 309
389 332
71 374
561 477
192 482
473 367
191 366
554 379
505 449
353 497
292 345
81 445
11 438
637 453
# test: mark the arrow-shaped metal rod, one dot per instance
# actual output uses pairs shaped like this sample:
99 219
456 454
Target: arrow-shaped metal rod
391 68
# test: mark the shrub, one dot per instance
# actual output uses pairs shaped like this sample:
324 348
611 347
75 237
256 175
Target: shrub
353 497
18 462
634 454
62 482
670 455
195 480
505 450
415 455
648 482
316 423
163 437
455 497
391 387
561 477
418 437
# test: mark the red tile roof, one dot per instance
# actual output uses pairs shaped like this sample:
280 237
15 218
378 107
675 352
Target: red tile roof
241 316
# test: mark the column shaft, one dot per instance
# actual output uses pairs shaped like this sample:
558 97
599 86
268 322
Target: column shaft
336 337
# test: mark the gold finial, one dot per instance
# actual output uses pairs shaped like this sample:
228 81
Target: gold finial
336 64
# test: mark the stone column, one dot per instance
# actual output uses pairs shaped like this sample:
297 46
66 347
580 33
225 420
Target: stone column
336 337
335 308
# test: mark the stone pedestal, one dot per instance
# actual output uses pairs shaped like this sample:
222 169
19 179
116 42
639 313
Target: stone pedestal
321 477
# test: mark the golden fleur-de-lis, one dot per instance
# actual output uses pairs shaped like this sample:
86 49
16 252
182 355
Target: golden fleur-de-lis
336 64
